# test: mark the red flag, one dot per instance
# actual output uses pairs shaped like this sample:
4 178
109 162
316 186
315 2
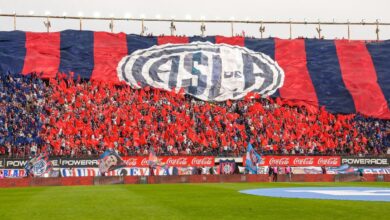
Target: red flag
228 103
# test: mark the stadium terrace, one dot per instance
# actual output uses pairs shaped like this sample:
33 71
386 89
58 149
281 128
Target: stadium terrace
162 103
76 118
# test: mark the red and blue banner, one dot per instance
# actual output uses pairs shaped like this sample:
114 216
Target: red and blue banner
343 76
227 166
38 165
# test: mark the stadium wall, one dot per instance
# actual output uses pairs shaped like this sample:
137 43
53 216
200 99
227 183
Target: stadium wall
73 181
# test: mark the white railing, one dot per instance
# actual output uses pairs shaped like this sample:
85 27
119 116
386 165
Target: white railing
172 27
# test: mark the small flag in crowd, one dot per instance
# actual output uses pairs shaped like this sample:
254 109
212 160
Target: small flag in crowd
153 160
252 159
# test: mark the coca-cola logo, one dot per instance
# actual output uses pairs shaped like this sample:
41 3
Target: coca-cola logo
144 162
176 161
131 162
171 161
202 161
303 161
328 161
136 162
279 161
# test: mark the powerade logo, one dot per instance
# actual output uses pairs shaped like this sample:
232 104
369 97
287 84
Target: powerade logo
79 163
15 163
365 161
212 72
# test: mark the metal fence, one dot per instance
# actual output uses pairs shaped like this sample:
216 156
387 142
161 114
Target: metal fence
261 23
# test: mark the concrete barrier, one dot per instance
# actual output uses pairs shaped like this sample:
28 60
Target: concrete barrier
108 180
72 181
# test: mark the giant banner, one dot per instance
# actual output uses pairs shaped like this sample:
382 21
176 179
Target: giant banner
344 76
300 161
211 72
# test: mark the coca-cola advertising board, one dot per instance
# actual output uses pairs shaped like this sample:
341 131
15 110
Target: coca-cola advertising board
172 161
131 161
300 161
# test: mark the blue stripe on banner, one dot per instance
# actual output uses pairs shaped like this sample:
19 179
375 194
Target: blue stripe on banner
266 46
12 51
76 51
136 42
380 54
202 39
63 172
325 73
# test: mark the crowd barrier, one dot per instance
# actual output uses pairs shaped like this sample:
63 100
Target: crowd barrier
73 181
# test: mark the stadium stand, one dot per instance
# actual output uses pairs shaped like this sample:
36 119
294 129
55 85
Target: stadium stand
75 118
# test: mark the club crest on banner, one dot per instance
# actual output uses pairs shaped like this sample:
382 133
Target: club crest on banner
211 72
39 167
227 166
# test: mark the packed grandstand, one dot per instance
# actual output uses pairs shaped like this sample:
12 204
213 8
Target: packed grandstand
74 118
83 103
233 123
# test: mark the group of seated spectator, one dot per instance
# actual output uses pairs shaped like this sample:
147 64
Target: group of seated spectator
80 118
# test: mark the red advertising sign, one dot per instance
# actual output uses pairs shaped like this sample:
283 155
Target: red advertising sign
172 161
300 161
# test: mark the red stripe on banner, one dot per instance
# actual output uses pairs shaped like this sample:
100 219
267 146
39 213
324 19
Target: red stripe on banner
42 54
291 56
359 76
108 50
172 40
239 41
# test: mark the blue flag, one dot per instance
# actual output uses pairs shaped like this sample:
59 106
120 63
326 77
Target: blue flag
252 159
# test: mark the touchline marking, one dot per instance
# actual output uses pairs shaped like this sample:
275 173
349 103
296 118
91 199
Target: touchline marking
332 193
347 192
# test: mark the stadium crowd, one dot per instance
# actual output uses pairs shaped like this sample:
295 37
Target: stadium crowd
75 118
21 107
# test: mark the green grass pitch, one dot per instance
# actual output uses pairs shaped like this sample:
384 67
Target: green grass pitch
179 201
